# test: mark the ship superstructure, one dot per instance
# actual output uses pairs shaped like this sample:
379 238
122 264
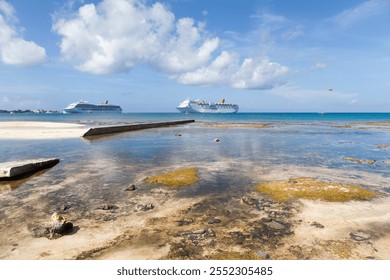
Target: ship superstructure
86 107
200 106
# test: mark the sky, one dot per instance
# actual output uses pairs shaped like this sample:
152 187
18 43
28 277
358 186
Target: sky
148 56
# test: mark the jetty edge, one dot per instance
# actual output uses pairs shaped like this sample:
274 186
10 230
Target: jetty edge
15 169
96 131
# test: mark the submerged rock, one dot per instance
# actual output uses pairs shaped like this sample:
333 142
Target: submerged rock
177 178
309 188
358 160
382 146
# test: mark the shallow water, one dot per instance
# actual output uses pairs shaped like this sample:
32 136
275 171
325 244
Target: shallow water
107 163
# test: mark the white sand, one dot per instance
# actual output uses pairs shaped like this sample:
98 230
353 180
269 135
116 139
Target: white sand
40 130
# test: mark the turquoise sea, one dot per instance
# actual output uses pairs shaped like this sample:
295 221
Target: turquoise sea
238 117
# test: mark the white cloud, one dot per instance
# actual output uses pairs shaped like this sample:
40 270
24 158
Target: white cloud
218 72
259 73
116 35
13 49
365 10
253 73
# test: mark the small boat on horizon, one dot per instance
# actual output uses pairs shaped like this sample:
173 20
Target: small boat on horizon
200 106
86 107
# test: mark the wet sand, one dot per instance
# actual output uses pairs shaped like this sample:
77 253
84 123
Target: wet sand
158 222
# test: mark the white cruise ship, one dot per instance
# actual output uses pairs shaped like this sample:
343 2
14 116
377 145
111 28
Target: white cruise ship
86 107
200 106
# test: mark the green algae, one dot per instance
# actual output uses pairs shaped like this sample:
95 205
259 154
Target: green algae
311 189
174 179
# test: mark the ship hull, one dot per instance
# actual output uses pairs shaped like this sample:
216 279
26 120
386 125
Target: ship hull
84 107
202 107
207 111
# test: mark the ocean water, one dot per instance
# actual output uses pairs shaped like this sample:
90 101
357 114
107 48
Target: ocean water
295 145
236 118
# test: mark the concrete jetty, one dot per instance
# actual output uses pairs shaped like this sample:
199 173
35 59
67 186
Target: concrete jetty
131 127
12 169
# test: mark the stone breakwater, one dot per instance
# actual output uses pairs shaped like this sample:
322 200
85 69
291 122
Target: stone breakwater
104 130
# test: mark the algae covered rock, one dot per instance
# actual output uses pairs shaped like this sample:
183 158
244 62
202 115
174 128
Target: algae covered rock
177 178
309 188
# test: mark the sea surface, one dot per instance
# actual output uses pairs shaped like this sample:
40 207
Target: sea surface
294 145
236 118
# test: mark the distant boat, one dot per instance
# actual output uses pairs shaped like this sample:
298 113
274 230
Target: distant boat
200 106
86 107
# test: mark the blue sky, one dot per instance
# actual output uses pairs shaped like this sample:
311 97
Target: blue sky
147 56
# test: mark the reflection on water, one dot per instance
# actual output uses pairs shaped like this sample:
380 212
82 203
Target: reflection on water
107 163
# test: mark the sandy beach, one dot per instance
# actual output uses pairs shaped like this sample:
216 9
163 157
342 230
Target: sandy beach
137 219
40 130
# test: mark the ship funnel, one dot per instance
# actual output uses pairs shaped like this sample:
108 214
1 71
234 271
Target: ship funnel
222 101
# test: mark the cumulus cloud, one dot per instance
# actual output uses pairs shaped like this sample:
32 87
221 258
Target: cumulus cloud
258 73
14 50
116 35
253 73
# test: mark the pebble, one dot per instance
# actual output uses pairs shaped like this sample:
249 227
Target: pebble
132 187
63 208
185 222
360 235
107 207
317 225
215 221
249 200
144 207
276 226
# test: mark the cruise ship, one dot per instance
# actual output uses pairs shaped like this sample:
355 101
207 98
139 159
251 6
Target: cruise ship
200 106
86 107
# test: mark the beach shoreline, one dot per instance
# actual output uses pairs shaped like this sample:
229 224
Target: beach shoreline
112 221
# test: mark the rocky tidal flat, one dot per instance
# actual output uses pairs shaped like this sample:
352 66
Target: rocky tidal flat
256 194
